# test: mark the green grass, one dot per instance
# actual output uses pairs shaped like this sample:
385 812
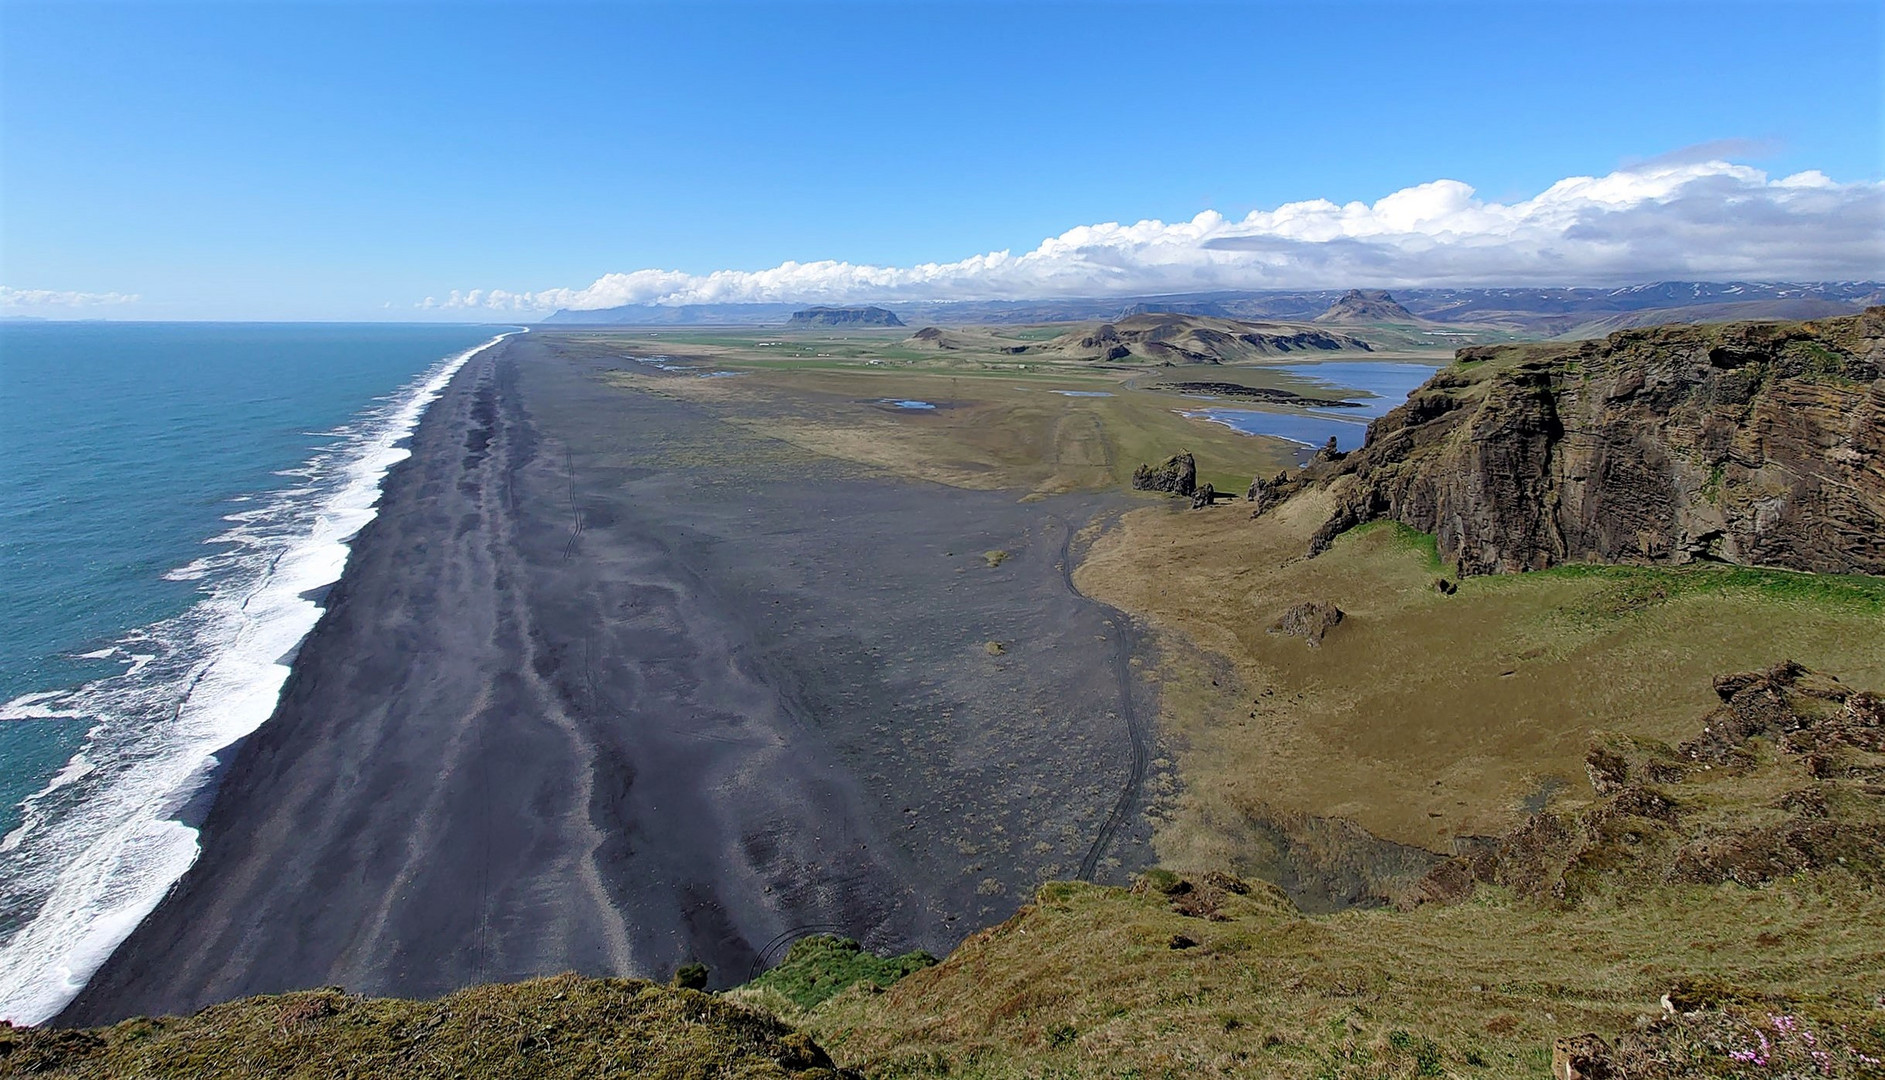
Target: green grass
565 1026
821 967
1634 587
1084 984
1426 544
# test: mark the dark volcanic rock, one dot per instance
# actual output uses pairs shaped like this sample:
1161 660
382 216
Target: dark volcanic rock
1581 1057
1203 497
849 316
1750 443
1257 393
1178 475
1310 620
1366 306
1652 822
1271 493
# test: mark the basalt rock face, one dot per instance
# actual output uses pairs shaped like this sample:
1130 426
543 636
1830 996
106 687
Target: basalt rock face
1752 443
836 316
1178 475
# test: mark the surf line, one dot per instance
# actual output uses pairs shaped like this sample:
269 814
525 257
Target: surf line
102 864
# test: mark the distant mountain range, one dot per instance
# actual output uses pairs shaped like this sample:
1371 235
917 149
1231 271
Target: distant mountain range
1544 312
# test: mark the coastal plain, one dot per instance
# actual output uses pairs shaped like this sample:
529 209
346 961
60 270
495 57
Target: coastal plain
684 645
615 684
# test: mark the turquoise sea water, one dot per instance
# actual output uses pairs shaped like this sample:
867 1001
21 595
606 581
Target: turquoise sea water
170 496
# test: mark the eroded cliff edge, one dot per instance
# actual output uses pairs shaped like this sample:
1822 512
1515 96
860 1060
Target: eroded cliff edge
1759 443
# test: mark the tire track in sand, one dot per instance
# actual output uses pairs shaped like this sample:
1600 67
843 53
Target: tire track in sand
1121 639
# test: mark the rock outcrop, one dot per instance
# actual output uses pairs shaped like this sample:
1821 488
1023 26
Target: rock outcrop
1784 777
1256 393
1273 492
1310 620
1581 1057
1751 443
843 316
1178 476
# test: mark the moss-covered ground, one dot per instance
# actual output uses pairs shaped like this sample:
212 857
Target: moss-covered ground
558 1027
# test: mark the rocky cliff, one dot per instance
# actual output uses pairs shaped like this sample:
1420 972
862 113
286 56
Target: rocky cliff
836 316
1753 443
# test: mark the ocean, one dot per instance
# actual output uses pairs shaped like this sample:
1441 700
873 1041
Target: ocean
174 498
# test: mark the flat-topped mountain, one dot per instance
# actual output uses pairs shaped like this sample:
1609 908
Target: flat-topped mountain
844 316
1169 338
1366 306
1757 443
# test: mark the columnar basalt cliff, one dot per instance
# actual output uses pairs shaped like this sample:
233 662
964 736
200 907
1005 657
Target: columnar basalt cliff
1752 443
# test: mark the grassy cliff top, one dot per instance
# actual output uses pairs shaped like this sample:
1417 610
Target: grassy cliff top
566 1026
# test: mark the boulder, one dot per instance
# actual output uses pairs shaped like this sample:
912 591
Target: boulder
1310 620
1177 476
1204 496
1581 1057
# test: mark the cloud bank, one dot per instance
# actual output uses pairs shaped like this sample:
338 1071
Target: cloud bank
12 299
1668 218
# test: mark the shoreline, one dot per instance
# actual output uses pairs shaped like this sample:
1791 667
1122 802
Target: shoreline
133 835
572 708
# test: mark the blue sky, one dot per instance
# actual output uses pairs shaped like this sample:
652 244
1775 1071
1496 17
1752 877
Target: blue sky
326 160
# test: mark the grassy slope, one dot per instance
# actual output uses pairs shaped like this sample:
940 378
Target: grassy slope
1209 976
1425 716
559 1027
1085 983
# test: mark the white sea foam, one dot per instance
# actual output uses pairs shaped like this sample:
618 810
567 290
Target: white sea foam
98 846
34 707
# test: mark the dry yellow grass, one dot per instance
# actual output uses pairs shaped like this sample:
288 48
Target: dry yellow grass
1422 716
1086 983
1005 429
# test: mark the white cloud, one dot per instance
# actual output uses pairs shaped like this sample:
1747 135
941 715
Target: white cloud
22 299
1671 217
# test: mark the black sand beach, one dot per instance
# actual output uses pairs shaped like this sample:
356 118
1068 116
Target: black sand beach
610 686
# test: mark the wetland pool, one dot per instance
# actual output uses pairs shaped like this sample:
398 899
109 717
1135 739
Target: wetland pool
1374 386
